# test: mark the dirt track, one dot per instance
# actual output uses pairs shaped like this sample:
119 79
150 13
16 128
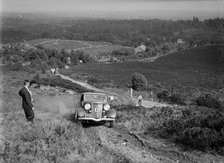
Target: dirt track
118 141
125 146
128 147
145 103
120 144
134 147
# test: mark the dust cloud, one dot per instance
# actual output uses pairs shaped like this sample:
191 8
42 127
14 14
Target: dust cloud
62 105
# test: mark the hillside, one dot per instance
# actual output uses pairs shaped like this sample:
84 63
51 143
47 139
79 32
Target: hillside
200 68
140 134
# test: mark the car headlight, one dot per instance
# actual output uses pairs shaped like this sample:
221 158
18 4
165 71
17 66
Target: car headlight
106 107
87 106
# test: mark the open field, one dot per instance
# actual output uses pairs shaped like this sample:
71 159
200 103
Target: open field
190 71
91 47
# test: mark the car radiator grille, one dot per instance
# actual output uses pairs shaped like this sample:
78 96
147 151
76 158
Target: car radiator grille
97 110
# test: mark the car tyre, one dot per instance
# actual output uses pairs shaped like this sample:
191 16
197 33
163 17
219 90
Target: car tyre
76 116
80 123
111 124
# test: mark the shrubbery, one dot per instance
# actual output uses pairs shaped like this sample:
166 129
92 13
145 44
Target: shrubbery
54 62
77 56
209 101
15 55
85 58
95 80
49 141
172 97
122 52
16 67
164 95
199 128
192 126
177 99
74 58
59 82
139 82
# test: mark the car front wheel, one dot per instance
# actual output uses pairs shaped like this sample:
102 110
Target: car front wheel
111 124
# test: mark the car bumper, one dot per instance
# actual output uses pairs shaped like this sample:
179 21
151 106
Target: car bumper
96 120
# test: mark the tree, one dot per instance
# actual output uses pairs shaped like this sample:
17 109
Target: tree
85 58
54 62
74 58
44 67
139 82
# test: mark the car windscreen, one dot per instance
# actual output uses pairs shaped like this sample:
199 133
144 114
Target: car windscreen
95 98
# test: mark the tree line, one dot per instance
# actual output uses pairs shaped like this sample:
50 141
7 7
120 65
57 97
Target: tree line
125 32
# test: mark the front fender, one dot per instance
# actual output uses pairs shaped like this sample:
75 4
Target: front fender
111 113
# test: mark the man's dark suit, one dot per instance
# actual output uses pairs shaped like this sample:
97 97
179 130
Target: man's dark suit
27 104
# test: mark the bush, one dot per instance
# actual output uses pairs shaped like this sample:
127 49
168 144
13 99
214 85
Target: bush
197 127
209 101
54 62
59 82
16 67
85 58
139 82
172 97
95 80
177 99
49 141
74 59
122 52
44 67
164 95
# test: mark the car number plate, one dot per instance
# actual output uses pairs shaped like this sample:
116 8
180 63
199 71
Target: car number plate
97 109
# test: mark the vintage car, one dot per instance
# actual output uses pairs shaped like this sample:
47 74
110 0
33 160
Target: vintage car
94 107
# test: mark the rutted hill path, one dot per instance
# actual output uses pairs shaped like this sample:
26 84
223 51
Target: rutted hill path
126 146
118 141
145 103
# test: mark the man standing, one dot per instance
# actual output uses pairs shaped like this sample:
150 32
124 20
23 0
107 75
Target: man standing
140 100
131 92
27 101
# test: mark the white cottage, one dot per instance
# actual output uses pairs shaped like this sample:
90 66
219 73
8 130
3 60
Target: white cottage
140 49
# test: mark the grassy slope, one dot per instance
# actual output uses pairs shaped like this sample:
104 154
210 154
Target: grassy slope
191 70
53 137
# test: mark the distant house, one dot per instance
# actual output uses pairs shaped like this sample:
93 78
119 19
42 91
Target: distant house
180 41
140 49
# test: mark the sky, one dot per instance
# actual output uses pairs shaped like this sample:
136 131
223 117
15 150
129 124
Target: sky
146 8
